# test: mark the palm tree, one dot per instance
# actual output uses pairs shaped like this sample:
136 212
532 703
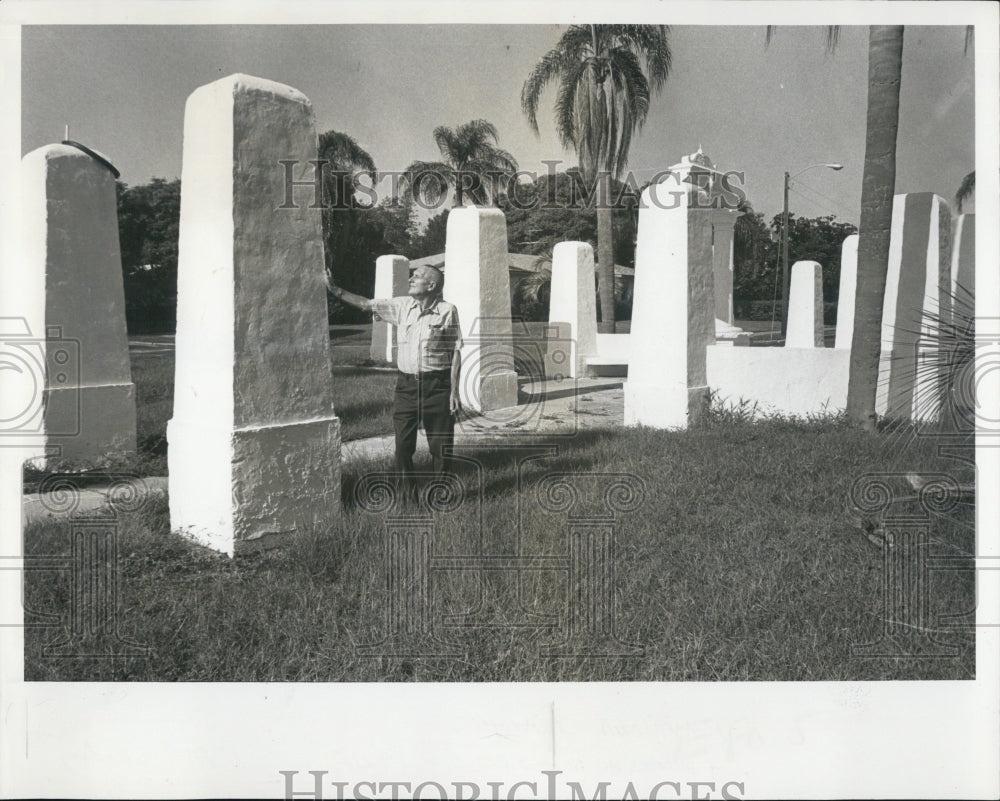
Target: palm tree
878 185
885 67
346 161
602 99
473 166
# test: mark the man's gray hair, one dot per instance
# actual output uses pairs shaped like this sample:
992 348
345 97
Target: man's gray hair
438 276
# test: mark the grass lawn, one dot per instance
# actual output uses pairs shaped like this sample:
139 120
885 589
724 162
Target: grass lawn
740 564
362 396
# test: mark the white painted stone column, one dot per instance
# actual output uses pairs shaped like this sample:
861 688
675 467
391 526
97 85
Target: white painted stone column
254 445
847 294
478 283
919 274
392 274
805 306
723 223
963 258
673 313
572 300
82 401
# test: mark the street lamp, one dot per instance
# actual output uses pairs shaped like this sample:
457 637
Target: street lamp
786 276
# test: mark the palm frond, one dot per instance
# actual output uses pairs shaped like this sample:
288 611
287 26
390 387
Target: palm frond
832 38
345 154
446 141
965 190
531 93
428 180
653 43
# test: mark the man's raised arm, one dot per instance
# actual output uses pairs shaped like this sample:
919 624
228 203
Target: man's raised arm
357 301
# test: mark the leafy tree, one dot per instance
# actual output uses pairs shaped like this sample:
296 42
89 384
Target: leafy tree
602 99
432 240
346 161
552 209
755 252
818 239
473 166
148 230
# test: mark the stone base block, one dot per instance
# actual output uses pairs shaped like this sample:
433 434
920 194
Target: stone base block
246 489
492 390
86 426
661 405
562 355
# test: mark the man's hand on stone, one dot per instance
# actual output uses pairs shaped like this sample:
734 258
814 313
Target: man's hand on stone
455 404
334 290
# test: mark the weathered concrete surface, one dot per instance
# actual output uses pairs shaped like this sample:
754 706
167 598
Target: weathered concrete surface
963 258
847 293
254 445
673 313
723 223
572 300
478 283
792 381
919 277
805 306
73 303
392 275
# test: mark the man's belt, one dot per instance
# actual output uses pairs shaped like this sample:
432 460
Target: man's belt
446 373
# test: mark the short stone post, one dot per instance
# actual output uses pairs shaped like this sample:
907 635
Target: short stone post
723 224
82 399
572 301
805 306
392 275
254 445
847 294
673 314
477 282
918 277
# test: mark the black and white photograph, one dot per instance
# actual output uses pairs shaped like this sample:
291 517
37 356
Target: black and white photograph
500 400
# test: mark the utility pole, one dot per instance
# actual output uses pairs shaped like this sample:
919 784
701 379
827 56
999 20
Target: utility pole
786 278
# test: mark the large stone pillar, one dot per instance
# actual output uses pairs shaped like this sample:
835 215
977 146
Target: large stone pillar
254 445
74 350
673 313
847 294
723 223
478 283
805 306
572 300
392 274
918 277
963 260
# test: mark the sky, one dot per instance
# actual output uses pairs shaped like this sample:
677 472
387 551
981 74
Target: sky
756 109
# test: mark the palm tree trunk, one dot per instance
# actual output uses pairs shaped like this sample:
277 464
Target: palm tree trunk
605 254
885 62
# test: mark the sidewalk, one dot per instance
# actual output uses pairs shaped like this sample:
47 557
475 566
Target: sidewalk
548 409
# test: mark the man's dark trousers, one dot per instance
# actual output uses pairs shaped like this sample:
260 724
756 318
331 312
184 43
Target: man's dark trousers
423 399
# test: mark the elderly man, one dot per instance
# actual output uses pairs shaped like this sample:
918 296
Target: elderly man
429 362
